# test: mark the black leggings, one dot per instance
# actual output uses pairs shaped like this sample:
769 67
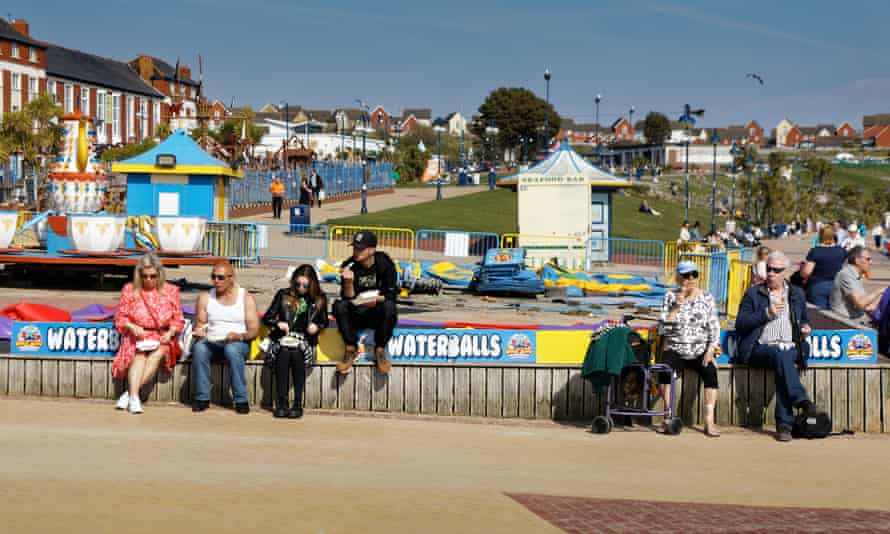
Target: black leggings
290 362
276 207
708 374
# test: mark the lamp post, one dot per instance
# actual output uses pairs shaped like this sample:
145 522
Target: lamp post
439 129
749 162
734 151
492 131
714 140
462 148
631 120
597 125
286 135
547 119
688 118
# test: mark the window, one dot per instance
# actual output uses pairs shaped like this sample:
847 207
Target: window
130 119
157 112
32 55
32 88
143 117
116 116
15 50
100 112
69 98
16 91
85 99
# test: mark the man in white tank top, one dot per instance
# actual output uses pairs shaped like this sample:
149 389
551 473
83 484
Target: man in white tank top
225 322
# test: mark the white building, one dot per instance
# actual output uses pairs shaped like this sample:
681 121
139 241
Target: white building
457 123
325 145
699 155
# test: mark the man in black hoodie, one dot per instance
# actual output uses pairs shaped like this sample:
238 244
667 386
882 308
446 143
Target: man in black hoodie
366 270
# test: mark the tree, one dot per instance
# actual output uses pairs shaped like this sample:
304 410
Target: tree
656 128
820 170
33 132
517 113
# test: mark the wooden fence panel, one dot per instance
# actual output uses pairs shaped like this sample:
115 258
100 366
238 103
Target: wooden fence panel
412 390
83 379
32 377
560 394
100 376
329 384
822 377
839 397
445 390
477 391
461 391
756 397
511 393
493 392
4 376
346 390
723 410
575 409
543 393
181 383
363 387
313 387
379 384
395 390
740 377
527 393
16 376
428 387
49 374
873 400
856 389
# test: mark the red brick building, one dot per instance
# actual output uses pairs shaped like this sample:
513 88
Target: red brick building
846 130
180 106
622 130
22 66
380 119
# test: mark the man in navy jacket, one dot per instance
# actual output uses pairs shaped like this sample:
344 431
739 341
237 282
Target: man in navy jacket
772 325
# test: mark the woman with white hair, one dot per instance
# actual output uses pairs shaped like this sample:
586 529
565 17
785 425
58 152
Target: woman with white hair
149 319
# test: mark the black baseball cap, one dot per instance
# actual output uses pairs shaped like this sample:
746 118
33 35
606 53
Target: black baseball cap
364 239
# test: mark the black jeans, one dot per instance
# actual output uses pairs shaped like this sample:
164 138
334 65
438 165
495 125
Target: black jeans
350 319
276 207
315 193
290 363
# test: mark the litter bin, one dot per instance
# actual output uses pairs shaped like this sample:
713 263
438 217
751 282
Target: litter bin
299 218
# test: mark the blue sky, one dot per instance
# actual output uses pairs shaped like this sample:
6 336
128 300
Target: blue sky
822 61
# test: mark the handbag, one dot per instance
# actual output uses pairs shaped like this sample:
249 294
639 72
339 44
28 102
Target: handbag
817 426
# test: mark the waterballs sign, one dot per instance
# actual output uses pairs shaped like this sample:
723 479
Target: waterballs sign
827 347
90 340
435 345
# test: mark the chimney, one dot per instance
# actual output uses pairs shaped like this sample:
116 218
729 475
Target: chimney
185 72
21 26
146 67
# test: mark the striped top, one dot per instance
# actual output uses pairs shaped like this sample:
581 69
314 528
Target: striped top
778 331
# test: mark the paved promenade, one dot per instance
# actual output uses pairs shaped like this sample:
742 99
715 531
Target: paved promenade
78 466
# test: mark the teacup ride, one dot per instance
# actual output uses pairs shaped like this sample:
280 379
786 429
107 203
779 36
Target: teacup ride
96 234
9 221
180 236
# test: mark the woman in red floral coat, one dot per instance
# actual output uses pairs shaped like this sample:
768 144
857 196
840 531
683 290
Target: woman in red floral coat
150 320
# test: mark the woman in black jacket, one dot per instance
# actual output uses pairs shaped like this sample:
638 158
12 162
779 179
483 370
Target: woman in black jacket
297 315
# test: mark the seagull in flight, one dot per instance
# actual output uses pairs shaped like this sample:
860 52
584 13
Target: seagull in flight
755 76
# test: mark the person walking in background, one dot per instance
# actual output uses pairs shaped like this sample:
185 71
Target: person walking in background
276 188
853 239
684 232
305 191
758 270
877 233
821 266
317 188
149 318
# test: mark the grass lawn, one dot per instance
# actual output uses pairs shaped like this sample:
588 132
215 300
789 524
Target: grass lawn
495 211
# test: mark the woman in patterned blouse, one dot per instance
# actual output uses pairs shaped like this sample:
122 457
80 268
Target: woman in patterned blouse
691 332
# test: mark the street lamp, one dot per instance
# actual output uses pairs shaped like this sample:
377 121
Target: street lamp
492 131
749 165
688 118
714 140
547 119
439 129
734 151
631 120
597 124
286 135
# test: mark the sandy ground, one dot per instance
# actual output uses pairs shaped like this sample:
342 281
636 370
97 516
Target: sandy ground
80 466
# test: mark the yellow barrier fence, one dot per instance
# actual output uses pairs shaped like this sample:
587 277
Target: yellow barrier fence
397 242
739 282
569 251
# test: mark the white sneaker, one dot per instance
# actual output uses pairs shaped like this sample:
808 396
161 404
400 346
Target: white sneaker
135 405
123 401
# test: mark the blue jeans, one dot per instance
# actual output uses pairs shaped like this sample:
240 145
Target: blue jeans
819 294
789 391
235 353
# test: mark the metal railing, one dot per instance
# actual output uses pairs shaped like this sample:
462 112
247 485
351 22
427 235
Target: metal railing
453 245
397 242
339 178
569 251
239 242
302 241
623 251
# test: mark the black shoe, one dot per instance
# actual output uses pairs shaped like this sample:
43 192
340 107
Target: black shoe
279 412
242 408
808 408
295 413
783 433
200 406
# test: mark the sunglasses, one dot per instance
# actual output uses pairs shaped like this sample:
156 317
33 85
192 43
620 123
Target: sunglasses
776 270
220 276
689 276
149 276
304 285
